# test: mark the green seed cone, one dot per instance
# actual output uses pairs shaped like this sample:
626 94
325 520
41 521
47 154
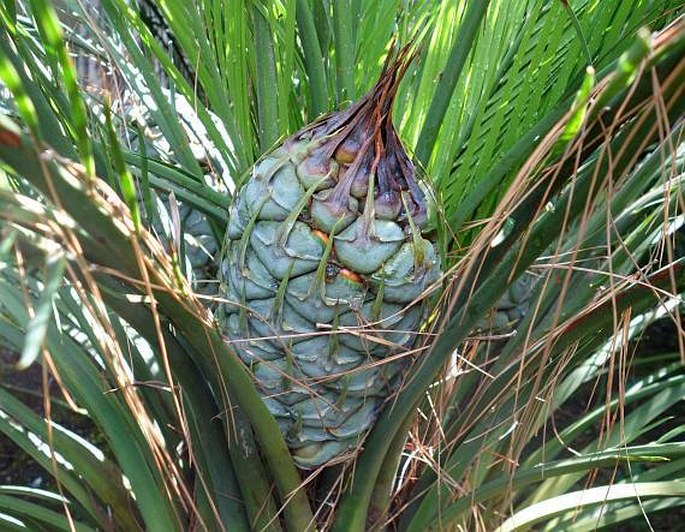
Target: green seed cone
324 255
509 311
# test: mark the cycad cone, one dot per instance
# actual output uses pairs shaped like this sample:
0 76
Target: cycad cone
324 264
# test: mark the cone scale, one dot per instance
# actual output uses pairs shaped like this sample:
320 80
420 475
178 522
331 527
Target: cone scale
322 269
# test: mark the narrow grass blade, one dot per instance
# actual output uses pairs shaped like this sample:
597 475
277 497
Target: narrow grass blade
601 495
267 101
313 59
53 39
345 44
38 325
32 512
10 78
455 64
126 184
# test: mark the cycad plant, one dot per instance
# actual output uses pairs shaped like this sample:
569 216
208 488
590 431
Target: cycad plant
252 303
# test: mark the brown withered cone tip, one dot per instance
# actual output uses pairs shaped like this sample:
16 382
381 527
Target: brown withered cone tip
363 141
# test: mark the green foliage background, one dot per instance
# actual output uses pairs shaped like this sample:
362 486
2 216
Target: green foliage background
541 166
